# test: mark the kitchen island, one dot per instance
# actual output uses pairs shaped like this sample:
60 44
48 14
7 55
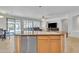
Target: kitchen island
41 42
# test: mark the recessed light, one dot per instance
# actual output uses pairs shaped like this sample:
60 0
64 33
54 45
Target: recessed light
1 16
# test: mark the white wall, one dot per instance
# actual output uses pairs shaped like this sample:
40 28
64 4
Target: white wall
58 20
73 26
64 25
44 24
75 23
73 30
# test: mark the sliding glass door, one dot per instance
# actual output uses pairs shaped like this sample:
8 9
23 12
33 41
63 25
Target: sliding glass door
11 26
14 26
17 26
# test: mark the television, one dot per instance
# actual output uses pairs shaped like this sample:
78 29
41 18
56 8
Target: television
52 25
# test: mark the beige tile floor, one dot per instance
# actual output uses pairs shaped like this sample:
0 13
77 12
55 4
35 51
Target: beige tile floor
73 45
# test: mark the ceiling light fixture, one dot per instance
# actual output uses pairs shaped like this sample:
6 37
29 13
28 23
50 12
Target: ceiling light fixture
1 16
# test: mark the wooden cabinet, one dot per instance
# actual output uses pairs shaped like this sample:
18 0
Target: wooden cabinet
52 44
43 45
40 43
28 44
18 43
55 45
25 44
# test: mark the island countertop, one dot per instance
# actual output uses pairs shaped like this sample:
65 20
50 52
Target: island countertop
41 33
41 42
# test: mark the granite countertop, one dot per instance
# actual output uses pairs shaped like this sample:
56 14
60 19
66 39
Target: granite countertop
42 33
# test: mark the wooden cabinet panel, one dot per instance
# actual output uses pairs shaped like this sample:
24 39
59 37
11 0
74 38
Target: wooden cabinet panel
17 43
43 45
49 43
28 44
54 37
43 37
55 46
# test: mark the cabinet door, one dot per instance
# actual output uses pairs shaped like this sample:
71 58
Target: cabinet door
55 46
31 44
43 45
28 44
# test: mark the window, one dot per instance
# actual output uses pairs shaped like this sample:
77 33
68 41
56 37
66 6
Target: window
14 26
22 26
30 24
36 24
17 27
11 25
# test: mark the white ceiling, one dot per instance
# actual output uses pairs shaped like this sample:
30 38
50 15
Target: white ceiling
38 12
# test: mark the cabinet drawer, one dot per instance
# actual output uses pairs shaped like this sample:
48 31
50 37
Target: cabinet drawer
42 37
55 37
